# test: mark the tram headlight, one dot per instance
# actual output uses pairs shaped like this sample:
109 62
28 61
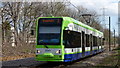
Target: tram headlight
38 51
58 52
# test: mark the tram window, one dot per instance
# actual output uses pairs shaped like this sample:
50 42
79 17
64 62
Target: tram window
87 40
66 38
80 39
75 39
94 41
83 38
91 40
71 39
100 42
97 41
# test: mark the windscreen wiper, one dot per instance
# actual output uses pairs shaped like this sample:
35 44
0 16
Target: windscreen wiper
46 46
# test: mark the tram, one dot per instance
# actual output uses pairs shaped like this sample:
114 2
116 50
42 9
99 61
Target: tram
64 39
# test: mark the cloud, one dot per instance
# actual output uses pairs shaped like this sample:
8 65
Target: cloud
97 5
110 5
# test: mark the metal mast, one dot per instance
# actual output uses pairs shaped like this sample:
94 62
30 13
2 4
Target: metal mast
119 23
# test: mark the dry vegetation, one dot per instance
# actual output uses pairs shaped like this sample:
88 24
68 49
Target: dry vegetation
21 17
113 60
7 58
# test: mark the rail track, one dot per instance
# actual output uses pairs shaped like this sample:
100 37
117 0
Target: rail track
30 62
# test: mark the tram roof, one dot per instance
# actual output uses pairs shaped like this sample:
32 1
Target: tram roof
82 24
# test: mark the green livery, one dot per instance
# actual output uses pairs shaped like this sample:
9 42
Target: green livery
48 49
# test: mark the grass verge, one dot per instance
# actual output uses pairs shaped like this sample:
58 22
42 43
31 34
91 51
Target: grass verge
112 61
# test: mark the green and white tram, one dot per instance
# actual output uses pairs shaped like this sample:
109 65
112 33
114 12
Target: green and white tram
65 39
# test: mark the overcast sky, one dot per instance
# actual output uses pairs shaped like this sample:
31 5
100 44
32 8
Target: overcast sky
110 5
111 9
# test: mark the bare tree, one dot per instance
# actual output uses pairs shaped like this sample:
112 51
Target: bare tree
22 16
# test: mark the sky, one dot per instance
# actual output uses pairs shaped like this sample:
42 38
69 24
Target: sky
111 9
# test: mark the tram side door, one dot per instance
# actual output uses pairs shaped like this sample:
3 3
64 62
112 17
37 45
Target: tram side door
83 44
